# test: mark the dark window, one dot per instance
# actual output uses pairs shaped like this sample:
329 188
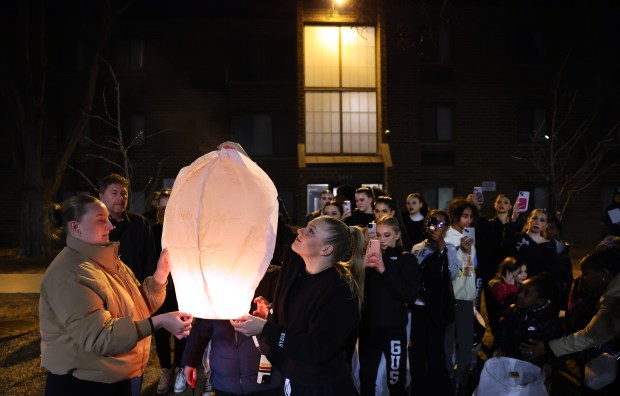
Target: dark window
269 59
532 47
284 135
532 124
254 132
437 45
438 197
265 133
437 123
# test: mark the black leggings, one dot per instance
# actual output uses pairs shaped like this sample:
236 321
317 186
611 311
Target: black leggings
68 385
428 368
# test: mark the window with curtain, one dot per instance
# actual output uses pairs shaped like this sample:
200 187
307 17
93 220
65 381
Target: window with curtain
340 89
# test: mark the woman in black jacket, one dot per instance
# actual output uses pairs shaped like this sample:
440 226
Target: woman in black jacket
391 282
532 247
363 213
315 310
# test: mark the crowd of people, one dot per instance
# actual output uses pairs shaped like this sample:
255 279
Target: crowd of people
365 300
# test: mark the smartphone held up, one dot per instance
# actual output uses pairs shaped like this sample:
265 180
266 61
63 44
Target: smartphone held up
470 232
372 230
478 195
374 246
523 200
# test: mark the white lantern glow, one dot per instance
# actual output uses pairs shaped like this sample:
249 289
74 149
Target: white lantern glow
220 230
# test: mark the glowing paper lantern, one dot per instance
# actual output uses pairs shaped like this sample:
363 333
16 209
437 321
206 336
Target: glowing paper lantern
220 229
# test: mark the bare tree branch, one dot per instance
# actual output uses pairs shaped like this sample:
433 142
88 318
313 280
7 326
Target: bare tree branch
79 172
561 154
96 117
104 159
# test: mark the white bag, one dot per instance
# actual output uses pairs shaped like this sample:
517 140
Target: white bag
220 229
600 371
510 377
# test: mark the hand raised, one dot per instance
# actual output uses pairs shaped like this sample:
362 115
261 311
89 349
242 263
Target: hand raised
262 307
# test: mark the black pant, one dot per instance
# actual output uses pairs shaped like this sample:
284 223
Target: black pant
428 368
162 345
68 385
162 336
391 343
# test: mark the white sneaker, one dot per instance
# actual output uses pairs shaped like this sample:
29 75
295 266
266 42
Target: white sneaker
164 381
180 384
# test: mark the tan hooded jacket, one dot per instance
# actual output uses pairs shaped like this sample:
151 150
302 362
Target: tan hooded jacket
93 314
603 327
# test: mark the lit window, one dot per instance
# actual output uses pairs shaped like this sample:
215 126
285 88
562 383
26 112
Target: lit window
341 95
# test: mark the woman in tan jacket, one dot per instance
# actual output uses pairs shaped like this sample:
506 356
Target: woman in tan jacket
95 318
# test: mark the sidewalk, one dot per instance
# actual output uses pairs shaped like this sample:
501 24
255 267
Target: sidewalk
20 283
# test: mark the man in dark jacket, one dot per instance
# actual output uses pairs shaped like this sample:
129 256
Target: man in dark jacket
137 247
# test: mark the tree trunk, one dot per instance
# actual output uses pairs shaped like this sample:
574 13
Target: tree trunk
30 217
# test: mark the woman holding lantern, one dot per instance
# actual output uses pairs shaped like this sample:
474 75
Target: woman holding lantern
95 318
316 309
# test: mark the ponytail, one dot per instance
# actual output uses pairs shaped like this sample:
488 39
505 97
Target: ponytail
52 224
347 240
356 263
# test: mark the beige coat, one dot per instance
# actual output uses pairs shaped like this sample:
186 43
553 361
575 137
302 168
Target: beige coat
604 326
93 314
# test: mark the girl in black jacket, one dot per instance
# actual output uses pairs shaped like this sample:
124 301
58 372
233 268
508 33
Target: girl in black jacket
391 282
413 219
433 310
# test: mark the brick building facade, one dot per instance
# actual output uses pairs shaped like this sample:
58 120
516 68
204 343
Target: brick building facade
457 88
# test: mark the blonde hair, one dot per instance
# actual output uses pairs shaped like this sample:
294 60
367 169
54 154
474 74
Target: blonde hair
395 224
526 227
347 240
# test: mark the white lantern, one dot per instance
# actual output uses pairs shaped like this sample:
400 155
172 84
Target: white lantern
220 229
